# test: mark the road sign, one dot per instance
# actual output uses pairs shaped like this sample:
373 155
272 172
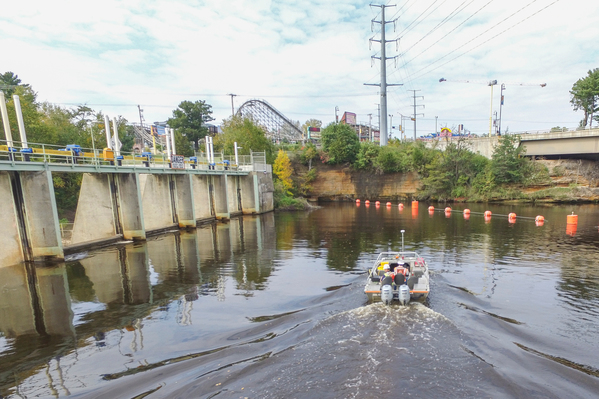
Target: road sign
177 162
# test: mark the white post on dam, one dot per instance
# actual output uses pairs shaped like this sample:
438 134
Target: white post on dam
173 141
115 131
168 142
20 121
107 130
4 113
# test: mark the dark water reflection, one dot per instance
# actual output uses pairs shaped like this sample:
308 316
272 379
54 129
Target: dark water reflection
225 309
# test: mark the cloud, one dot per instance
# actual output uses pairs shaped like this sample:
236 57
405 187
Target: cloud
306 57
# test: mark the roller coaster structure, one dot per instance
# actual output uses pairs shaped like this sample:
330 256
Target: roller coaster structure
278 126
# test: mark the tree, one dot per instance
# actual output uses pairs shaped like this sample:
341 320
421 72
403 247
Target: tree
340 142
508 163
248 135
585 96
283 171
9 82
190 119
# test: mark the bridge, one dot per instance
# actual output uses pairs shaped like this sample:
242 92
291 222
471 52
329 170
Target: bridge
122 197
579 144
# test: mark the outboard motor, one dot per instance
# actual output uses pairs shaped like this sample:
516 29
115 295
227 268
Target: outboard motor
387 294
404 294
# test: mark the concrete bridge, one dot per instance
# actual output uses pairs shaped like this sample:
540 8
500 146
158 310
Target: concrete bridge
129 199
570 144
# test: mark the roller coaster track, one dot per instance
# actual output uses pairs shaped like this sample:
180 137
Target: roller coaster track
278 126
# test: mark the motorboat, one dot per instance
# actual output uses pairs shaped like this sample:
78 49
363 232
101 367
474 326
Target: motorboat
405 279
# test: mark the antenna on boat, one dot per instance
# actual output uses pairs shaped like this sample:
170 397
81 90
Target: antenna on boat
402 231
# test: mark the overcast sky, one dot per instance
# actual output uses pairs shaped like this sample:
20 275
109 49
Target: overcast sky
306 57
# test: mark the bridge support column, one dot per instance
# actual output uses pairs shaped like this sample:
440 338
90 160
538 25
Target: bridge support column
221 202
257 192
12 252
203 201
234 195
109 205
185 202
40 215
131 211
158 202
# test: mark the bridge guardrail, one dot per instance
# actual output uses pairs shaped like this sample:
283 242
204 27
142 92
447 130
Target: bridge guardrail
76 155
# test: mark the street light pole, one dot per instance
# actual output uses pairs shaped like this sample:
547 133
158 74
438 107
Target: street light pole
491 83
500 108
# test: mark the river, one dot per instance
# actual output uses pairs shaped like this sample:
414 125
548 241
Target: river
272 306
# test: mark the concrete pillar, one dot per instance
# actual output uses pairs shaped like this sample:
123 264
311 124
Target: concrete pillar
16 306
131 207
202 200
221 202
11 252
157 202
43 231
55 300
249 195
185 201
264 188
95 215
234 195
237 233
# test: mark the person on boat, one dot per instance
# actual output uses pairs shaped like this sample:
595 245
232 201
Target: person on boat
387 277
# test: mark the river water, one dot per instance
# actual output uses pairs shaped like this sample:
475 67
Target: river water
272 306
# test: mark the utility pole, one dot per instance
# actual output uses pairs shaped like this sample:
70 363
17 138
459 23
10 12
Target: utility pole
436 117
383 85
391 124
491 83
370 136
232 108
336 116
415 114
500 107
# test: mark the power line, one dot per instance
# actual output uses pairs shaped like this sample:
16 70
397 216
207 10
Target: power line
491 38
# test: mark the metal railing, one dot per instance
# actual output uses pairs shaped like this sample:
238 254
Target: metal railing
75 155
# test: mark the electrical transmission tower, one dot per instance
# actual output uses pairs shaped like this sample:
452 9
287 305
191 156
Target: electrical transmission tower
415 114
383 85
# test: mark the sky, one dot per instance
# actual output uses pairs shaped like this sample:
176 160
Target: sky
310 59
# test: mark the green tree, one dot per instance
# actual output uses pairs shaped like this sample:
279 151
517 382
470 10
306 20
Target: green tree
190 118
9 82
508 163
340 142
367 155
248 135
182 145
308 154
585 96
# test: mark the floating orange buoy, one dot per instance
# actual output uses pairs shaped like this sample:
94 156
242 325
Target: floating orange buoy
539 218
358 200
572 219
431 212
539 223
415 213
367 202
448 209
466 211
487 213
388 204
414 204
377 203
400 206
571 229
487 219
466 216
431 208
511 215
